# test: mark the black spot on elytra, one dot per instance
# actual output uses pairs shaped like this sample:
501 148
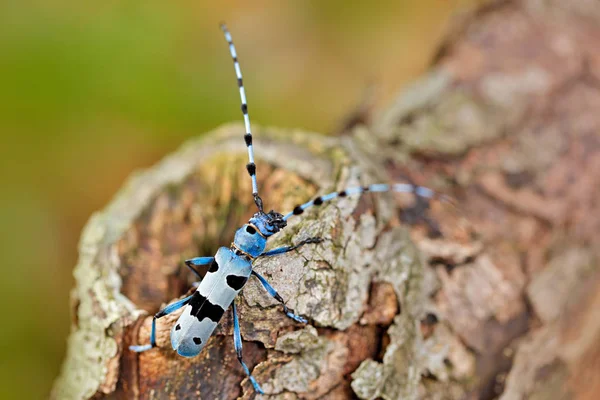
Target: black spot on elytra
177 327
251 167
298 210
250 229
236 282
214 266
318 201
203 308
197 340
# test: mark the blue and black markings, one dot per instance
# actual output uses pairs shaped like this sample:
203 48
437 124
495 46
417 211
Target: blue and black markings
202 308
214 266
236 282
229 270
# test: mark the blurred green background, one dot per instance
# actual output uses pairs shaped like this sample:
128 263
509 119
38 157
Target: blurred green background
90 92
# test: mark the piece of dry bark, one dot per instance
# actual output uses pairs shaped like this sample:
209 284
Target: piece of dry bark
131 260
505 303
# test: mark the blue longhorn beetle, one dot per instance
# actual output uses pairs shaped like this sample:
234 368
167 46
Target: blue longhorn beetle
231 267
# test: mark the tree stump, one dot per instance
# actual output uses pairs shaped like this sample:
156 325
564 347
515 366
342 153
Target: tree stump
499 298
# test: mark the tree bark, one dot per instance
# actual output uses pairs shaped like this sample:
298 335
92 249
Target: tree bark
503 303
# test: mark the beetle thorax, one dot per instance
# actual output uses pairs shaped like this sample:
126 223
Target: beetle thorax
251 239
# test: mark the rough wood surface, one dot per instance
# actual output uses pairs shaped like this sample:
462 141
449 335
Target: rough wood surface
504 303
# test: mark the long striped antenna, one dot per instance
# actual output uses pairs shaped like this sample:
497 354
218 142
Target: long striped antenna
250 167
420 191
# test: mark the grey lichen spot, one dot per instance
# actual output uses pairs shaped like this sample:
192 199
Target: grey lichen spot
309 351
505 90
368 380
419 95
298 341
459 122
436 117
455 122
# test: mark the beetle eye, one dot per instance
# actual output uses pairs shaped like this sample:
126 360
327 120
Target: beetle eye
250 229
